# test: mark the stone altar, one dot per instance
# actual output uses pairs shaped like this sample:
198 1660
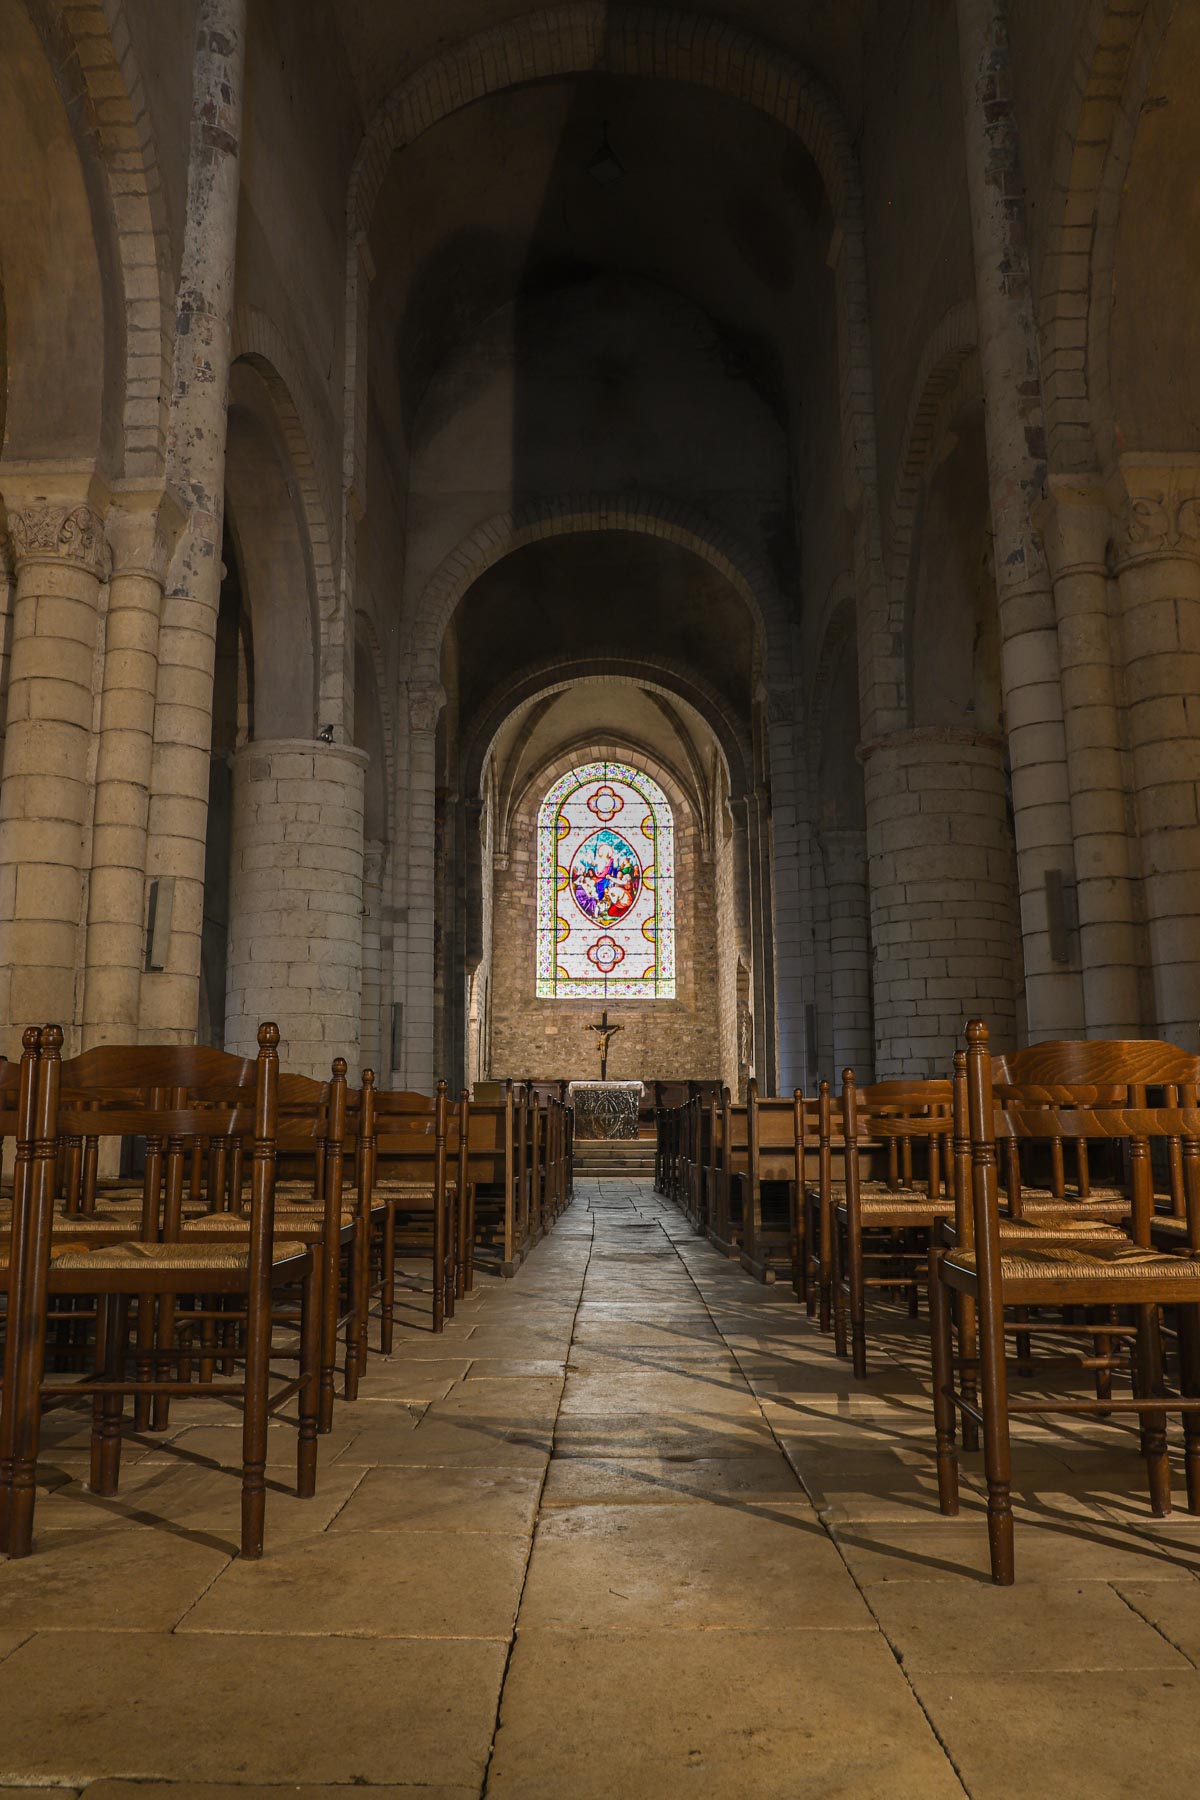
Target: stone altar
606 1109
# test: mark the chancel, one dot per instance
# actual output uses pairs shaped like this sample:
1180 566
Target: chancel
599 898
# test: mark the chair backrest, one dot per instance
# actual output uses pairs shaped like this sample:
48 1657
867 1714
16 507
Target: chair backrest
777 1129
111 1094
1104 1072
1112 1109
889 1121
410 1134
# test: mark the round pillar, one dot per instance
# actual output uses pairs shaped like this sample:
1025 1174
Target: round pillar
295 901
844 854
1111 945
1158 573
142 530
944 910
59 553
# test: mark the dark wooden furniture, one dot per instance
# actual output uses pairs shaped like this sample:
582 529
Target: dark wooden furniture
1127 1280
159 1275
897 1159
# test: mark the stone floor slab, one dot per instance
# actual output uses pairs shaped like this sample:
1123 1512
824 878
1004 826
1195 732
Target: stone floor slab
793 1727
199 1790
764 1480
372 1584
291 1710
442 1500
1172 1607
622 1568
1046 1627
120 1578
657 1392
1079 1737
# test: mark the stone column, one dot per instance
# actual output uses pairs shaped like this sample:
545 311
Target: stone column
7 597
295 901
1077 528
59 555
142 530
1158 573
196 464
845 858
371 1034
762 940
943 896
1015 426
417 889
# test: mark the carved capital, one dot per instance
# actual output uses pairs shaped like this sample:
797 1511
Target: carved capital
1157 503
144 527
425 701
51 531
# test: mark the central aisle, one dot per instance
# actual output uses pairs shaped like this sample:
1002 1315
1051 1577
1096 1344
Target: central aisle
627 1530
686 1624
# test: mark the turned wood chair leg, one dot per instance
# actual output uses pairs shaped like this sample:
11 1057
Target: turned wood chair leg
942 1343
838 1292
107 1409
331 1283
997 1449
858 1299
387 1288
357 1280
1189 1384
1150 1382
255 1423
439 1267
310 1380
826 1250
812 1277
968 1380
145 1359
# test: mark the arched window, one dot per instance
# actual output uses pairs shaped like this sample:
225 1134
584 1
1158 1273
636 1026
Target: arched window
606 887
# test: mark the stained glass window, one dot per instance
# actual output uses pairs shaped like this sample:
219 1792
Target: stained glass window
605 887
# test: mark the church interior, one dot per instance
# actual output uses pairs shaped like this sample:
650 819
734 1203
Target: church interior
599 898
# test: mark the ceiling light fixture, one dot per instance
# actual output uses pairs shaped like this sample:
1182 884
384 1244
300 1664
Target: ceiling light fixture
606 166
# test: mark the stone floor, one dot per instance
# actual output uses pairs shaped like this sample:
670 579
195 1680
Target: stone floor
626 1530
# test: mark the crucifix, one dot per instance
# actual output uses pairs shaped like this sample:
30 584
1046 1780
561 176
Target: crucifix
605 1033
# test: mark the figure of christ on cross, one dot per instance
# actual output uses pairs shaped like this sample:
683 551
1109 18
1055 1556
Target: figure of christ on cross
605 1033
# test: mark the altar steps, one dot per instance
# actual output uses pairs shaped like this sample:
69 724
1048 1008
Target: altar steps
623 1159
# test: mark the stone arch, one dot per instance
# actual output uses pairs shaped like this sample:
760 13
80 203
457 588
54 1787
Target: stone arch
839 626
1116 56
641 671
89 48
369 654
593 36
648 515
63 355
266 522
625 748
257 341
940 367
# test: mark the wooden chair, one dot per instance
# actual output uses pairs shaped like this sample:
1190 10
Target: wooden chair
122 1275
890 1201
728 1175
496 1149
772 1221
409 1170
312 1205
1129 1274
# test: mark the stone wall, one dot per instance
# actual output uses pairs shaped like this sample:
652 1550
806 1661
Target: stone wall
665 1040
296 898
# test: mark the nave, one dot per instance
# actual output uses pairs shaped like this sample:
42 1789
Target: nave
627 1527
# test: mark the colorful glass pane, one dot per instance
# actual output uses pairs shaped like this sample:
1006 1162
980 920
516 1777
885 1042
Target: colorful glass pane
606 887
